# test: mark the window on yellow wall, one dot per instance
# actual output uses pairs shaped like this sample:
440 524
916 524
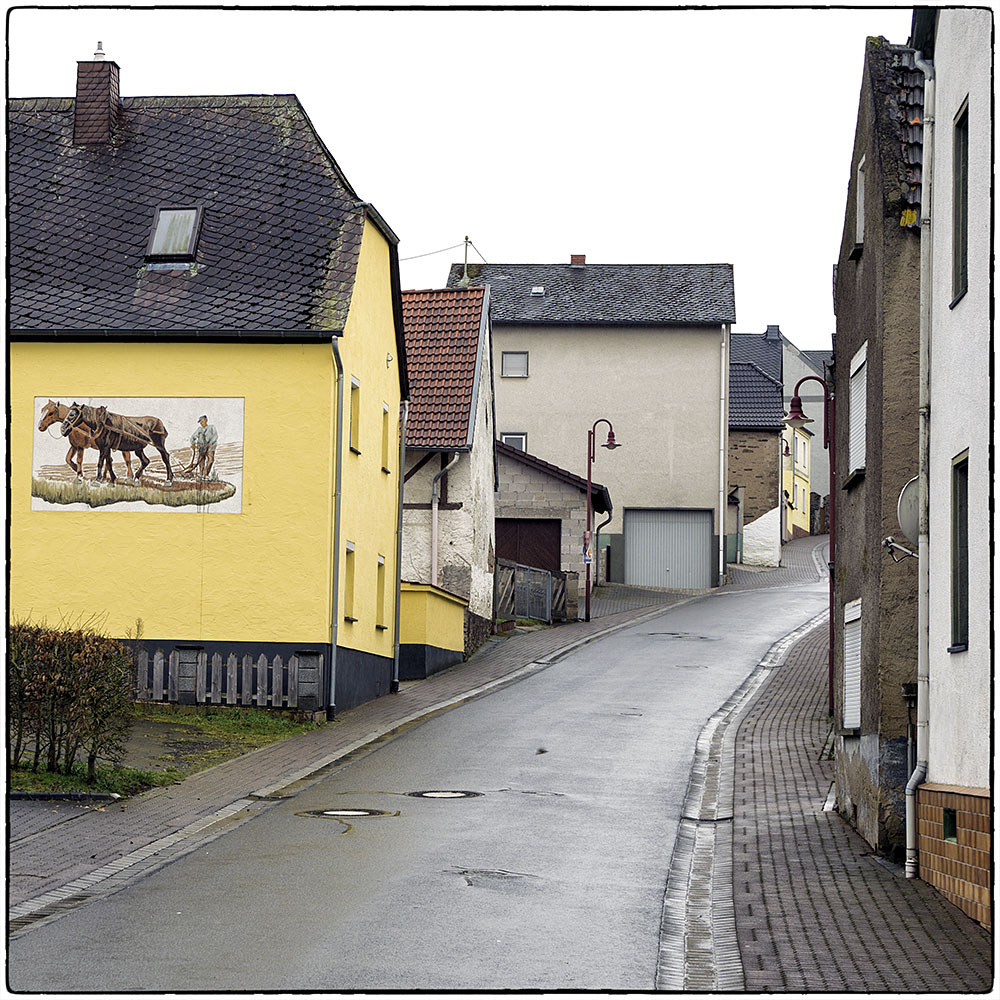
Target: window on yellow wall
349 583
380 595
355 415
385 437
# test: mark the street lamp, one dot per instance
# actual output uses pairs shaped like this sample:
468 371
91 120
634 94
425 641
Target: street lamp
797 419
610 444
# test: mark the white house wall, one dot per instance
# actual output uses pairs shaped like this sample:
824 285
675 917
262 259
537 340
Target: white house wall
762 540
959 743
659 387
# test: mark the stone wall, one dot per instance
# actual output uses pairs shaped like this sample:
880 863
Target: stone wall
528 493
754 465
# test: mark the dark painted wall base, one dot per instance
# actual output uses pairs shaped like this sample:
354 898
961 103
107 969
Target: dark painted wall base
360 676
417 661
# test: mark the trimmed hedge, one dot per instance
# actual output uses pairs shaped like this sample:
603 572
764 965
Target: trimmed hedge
69 694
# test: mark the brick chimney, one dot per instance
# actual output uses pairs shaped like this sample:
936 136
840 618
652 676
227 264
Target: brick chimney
577 259
97 101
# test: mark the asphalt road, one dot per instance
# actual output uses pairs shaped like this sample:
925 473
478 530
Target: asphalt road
552 877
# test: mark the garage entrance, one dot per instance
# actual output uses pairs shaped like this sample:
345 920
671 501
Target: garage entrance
668 548
530 541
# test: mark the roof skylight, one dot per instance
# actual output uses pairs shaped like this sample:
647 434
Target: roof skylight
174 236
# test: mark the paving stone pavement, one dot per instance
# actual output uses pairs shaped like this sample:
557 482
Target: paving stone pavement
815 909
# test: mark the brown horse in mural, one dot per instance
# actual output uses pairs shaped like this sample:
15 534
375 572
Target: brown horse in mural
114 432
80 438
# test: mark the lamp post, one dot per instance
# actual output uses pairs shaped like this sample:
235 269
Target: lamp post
610 444
797 419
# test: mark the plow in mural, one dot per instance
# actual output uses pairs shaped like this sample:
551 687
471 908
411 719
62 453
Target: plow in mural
94 454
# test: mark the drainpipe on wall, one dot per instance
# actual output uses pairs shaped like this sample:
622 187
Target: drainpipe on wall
394 688
723 426
435 499
335 568
597 549
923 545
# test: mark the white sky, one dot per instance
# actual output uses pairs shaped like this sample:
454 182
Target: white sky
659 136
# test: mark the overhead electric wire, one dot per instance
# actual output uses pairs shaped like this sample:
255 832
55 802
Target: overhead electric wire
432 252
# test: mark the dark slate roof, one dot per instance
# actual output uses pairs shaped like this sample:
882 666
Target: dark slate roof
443 330
757 349
599 496
649 294
818 359
280 237
755 400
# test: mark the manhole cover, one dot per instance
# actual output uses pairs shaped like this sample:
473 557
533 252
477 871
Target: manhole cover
444 794
343 813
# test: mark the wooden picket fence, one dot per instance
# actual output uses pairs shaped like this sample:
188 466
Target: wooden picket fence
192 677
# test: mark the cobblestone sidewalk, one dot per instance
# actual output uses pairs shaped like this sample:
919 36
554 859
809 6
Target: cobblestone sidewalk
815 909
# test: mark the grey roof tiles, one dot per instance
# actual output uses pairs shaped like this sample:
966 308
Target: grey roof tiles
622 294
281 226
755 400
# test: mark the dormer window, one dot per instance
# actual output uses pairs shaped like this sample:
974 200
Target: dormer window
174 236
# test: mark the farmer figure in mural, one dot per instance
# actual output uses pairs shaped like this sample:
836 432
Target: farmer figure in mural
203 443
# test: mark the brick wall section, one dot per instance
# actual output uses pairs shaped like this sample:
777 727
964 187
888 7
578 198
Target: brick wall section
753 464
959 869
97 102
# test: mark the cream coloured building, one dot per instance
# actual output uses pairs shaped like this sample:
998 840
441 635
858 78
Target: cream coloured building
644 347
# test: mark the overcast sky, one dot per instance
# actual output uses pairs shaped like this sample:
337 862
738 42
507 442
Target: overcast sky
660 136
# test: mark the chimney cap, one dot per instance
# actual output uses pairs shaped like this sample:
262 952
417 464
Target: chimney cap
99 54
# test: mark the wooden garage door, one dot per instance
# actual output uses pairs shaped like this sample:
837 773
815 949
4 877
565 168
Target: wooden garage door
530 541
668 548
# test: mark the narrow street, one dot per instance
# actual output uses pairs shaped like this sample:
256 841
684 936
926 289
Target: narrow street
551 877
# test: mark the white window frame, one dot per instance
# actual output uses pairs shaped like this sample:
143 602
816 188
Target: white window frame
857 410
504 355
852 665
523 435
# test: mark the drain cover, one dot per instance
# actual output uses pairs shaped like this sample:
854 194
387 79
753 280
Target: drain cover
444 794
343 813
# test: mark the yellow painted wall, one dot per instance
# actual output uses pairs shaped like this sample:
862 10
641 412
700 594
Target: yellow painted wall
795 474
368 511
259 575
431 617
262 575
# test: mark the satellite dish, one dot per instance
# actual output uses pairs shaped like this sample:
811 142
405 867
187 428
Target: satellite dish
907 511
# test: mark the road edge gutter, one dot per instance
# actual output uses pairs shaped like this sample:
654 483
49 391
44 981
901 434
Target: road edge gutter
698 948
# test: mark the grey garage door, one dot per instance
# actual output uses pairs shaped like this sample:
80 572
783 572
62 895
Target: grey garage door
668 548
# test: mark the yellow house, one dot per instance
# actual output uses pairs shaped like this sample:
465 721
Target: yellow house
795 482
198 276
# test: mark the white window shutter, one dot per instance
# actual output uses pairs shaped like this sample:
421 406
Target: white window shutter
852 665
857 409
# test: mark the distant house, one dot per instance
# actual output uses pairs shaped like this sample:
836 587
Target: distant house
756 465
876 371
646 348
951 815
775 354
541 515
450 481
198 274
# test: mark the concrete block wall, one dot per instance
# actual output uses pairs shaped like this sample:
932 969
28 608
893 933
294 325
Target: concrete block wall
527 493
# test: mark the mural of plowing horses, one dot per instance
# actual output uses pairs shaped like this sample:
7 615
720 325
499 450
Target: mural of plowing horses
203 471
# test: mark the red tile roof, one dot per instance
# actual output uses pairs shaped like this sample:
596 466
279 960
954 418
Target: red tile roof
442 328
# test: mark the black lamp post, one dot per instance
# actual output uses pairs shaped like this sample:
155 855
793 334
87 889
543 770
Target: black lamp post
796 419
611 444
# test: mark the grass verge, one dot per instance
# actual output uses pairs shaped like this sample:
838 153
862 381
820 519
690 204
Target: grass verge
124 781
